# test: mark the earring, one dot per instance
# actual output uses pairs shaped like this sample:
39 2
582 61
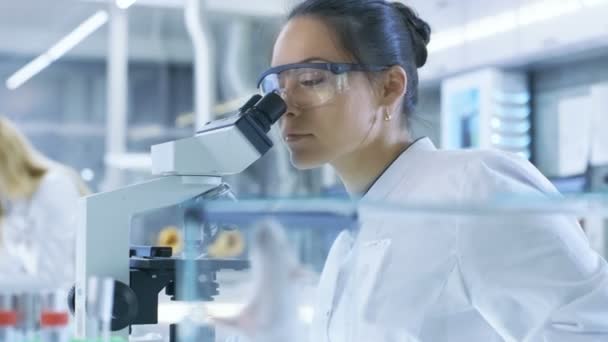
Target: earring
387 115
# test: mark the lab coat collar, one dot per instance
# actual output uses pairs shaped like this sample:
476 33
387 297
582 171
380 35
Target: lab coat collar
399 169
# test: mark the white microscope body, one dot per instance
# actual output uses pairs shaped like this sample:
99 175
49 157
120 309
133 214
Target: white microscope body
187 168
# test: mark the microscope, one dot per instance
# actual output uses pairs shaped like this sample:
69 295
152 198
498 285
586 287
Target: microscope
189 170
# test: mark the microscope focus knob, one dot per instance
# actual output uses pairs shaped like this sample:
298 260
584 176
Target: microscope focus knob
125 306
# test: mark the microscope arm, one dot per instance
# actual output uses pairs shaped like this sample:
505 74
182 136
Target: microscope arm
103 236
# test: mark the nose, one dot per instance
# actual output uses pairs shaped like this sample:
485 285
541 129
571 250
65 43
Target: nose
286 90
292 110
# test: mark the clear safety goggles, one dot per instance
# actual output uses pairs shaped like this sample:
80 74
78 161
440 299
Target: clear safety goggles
307 85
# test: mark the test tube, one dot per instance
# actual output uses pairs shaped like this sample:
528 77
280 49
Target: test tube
54 317
92 309
8 318
106 302
28 315
100 303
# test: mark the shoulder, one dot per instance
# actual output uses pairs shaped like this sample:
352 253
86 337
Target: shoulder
480 174
56 185
492 173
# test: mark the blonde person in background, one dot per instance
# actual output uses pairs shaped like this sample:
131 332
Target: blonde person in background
38 200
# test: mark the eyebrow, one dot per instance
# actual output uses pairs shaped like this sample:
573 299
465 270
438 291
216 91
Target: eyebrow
312 59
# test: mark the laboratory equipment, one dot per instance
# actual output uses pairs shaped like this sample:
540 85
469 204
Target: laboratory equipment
8 318
187 168
570 135
28 312
32 310
489 108
598 178
563 137
104 315
153 269
54 318
312 226
206 154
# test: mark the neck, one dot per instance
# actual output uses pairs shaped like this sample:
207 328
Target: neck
360 169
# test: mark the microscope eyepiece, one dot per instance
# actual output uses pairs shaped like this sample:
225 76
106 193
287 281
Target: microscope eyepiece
268 110
273 106
250 103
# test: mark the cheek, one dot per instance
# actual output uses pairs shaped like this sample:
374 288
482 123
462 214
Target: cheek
349 122
339 128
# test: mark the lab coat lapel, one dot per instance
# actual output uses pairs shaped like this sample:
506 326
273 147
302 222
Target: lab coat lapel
371 250
328 285
371 259
402 168
386 251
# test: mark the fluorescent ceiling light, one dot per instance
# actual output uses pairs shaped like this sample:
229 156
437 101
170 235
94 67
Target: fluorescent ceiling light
509 20
124 4
58 50
28 71
150 3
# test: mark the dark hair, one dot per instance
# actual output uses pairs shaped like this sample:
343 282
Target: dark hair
376 32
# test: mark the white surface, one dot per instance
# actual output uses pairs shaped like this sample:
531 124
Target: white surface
574 134
117 73
577 31
220 152
595 228
514 18
204 61
599 124
563 137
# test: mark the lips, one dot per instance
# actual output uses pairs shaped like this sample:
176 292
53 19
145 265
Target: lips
293 137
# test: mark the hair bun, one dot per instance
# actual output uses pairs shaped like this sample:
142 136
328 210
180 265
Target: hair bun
420 30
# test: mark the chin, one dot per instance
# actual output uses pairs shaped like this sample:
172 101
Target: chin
306 162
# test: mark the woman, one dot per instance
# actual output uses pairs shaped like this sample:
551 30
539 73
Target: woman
38 201
348 71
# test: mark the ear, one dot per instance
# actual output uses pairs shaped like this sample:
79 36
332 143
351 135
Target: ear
393 86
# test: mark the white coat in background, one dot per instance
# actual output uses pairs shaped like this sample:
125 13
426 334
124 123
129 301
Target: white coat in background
463 279
38 234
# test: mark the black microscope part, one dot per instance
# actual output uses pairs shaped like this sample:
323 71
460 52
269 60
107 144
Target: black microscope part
150 251
250 103
267 111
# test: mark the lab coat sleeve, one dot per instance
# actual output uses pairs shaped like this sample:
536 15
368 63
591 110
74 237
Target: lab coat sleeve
53 211
532 277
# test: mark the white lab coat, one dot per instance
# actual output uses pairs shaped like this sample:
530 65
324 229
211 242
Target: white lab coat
464 279
38 235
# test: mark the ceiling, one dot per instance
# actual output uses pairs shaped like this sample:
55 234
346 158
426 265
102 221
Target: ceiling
43 21
64 14
157 32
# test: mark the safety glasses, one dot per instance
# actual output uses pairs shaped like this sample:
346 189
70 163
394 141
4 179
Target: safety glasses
307 85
